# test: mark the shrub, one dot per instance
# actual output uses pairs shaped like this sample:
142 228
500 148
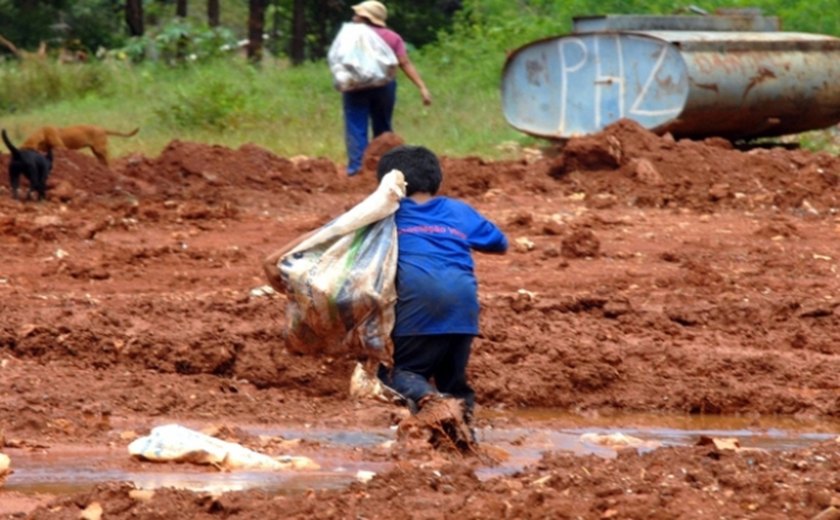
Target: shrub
214 104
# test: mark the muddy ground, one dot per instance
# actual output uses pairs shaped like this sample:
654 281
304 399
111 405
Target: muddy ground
646 275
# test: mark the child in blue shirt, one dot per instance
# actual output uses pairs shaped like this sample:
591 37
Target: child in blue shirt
437 293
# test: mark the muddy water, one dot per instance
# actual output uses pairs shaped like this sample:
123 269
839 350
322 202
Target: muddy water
72 469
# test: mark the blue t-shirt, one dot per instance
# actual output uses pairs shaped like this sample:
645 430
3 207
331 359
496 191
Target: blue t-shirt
437 292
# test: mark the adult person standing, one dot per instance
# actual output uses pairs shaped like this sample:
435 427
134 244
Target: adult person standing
375 106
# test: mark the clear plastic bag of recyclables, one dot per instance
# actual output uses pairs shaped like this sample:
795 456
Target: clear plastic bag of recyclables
359 58
340 282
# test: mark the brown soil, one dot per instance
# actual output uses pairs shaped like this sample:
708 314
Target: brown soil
647 275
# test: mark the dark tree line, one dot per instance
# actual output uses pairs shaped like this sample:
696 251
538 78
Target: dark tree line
313 23
300 29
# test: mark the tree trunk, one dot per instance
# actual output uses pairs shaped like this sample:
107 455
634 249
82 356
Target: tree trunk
276 19
298 44
256 21
321 32
213 13
134 17
181 11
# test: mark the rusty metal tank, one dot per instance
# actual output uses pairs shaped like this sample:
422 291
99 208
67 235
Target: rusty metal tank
709 80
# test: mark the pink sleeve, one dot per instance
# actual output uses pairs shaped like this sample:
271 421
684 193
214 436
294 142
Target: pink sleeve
394 40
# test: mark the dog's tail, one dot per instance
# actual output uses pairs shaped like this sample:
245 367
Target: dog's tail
120 134
10 146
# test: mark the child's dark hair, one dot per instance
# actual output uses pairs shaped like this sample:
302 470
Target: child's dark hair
419 165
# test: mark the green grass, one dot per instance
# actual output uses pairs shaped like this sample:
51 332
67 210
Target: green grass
291 111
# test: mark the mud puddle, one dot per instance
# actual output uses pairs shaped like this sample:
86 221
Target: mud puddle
64 470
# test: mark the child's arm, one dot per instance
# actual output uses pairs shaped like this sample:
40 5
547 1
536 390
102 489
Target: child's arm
485 237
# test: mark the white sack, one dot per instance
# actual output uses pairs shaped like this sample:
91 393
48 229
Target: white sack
359 58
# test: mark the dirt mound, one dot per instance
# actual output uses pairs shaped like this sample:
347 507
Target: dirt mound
628 165
625 165
74 174
185 168
377 148
83 172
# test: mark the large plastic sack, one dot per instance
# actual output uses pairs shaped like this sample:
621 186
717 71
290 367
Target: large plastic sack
359 58
341 282
173 442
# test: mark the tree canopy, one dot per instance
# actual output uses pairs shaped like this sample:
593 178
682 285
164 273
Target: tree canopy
303 29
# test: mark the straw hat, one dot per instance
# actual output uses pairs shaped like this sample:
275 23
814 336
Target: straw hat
374 11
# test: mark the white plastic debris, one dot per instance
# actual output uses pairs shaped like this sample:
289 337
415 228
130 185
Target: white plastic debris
173 442
363 385
617 441
364 476
263 290
92 512
5 467
526 294
524 244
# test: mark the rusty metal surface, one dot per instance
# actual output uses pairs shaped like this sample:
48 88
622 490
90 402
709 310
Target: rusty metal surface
757 84
733 22
689 83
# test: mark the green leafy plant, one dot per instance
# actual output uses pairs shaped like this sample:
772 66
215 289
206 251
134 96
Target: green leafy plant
37 82
180 41
213 104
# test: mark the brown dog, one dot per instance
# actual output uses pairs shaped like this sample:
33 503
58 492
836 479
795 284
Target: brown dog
74 138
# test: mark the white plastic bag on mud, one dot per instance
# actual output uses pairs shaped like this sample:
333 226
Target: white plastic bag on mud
341 282
364 384
173 442
359 58
5 467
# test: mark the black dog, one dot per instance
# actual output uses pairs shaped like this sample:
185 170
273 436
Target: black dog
32 165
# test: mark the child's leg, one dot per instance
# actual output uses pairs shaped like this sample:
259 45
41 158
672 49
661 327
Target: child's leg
451 370
414 360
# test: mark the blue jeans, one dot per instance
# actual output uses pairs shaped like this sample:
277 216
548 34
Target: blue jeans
374 104
444 357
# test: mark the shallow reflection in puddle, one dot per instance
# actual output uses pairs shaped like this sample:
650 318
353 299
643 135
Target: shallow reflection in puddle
553 430
71 470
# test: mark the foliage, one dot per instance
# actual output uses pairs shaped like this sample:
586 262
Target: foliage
294 110
234 13
91 25
37 82
207 101
417 21
498 24
420 22
555 16
181 40
824 140
81 25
